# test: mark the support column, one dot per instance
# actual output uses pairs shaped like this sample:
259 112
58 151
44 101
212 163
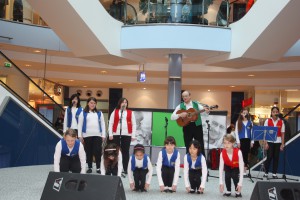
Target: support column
174 84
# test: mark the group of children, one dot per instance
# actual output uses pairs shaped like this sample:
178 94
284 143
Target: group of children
88 125
70 156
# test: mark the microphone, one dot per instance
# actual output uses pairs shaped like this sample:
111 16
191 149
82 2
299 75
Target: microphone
73 102
166 119
123 108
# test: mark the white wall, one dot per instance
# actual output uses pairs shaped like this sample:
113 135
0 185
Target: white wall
159 98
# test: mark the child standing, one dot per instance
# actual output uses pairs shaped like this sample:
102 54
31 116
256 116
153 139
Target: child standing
274 147
139 167
72 113
231 161
195 169
243 135
69 154
168 166
111 162
91 131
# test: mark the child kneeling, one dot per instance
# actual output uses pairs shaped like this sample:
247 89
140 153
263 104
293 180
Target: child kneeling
231 161
139 168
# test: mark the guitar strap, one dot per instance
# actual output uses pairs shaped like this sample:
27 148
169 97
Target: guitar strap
195 106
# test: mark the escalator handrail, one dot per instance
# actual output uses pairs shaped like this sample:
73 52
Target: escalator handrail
27 104
291 110
31 80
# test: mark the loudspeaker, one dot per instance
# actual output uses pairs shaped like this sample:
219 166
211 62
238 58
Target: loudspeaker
72 186
276 191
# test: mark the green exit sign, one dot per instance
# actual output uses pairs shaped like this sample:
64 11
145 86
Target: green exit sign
7 64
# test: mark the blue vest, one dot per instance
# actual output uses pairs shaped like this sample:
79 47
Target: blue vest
145 162
69 116
198 161
248 130
84 121
65 150
165 161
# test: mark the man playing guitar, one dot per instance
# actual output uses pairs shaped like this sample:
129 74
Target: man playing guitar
193 129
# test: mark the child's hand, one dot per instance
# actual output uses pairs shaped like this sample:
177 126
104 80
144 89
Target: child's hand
201 190
174 187
188 189
111 137
221 188
266 146
239 189
147 186
162 188
132 186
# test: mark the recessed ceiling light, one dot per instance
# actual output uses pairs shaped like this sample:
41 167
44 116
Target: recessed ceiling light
71 80
144 88
232 86
120 83
37 51
84 86
27 65
103 72
291 90
251 75
208 90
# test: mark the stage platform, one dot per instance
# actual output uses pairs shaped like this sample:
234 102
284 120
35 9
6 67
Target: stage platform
27 183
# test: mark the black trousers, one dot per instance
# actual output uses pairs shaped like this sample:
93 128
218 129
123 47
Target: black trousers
93 147
190 132
195 178
68 164
272 154
139 175
245 149
124 147
231 173
112 170
167 174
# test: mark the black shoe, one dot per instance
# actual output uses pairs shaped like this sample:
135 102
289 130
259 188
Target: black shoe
98 171
238 195
192 191
171 191
166 190
124 172
89 171
144 190
274 176
135 190
266 175
198 192
227 194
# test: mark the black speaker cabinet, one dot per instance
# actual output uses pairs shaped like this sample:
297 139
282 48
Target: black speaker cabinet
72 186
276 191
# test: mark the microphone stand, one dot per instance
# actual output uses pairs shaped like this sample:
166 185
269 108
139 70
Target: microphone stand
208 128
166 127
120 142
249 173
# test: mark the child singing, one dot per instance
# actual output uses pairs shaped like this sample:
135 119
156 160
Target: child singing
195 169
111 161
139 168
231 161
69 154
168 166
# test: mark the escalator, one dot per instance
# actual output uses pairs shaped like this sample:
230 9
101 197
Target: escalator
27 135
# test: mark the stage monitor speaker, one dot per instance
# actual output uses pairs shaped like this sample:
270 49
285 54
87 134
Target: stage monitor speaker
276 191
72 186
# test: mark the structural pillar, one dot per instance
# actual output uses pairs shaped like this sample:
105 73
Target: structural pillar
174 84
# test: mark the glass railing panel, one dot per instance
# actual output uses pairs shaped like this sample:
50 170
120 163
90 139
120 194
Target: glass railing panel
31 93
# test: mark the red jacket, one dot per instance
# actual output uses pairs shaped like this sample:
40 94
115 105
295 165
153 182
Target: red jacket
117 119
235 158
279 125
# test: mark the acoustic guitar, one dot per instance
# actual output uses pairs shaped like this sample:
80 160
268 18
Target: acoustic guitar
192 115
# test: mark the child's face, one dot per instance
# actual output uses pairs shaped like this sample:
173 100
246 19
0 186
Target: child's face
274 113
139 155
92 105
70 141
111 157
193 151
227 145
170 147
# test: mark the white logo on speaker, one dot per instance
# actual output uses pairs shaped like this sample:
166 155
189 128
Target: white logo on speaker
272 194
57 184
